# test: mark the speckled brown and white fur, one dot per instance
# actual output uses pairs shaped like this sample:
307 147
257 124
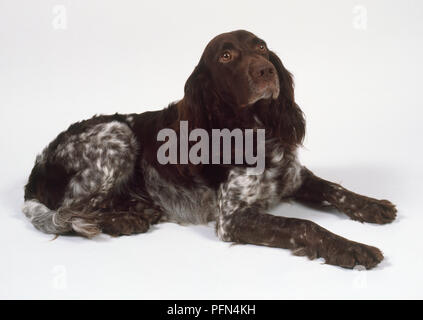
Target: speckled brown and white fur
101 160
279 181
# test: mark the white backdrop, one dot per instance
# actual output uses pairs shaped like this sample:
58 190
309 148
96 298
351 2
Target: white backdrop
357 66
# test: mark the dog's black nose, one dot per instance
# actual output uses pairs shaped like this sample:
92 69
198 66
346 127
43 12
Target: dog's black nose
264 71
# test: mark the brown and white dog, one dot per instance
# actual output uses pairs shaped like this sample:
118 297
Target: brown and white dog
102 174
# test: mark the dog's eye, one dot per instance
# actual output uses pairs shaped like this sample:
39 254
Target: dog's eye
261 47
225 57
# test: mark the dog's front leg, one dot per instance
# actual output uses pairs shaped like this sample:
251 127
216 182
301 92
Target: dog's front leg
357 207
303 237
242 219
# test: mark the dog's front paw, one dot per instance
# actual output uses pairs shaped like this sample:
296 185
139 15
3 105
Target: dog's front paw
348 254
343 253
374 211
365 209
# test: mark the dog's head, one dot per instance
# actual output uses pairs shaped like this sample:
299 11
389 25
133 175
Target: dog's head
237 73
240 68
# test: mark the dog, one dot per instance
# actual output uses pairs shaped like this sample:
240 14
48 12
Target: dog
102 175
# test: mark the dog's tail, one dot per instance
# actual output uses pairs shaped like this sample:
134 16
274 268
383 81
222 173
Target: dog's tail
60 221
43 194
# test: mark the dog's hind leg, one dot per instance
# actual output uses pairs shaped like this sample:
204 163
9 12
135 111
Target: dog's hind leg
91 208
357 207
135 220
128 214
83 184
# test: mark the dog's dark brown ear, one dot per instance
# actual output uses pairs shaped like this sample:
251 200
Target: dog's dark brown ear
285 119
192 88
286 82
201 100
192 104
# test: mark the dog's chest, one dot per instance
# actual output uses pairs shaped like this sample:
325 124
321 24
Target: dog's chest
281 178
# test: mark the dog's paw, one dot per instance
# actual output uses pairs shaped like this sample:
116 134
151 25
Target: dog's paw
349 254
344 253
365 209
374 211
124 223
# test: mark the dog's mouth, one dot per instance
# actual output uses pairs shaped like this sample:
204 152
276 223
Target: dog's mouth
264 90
